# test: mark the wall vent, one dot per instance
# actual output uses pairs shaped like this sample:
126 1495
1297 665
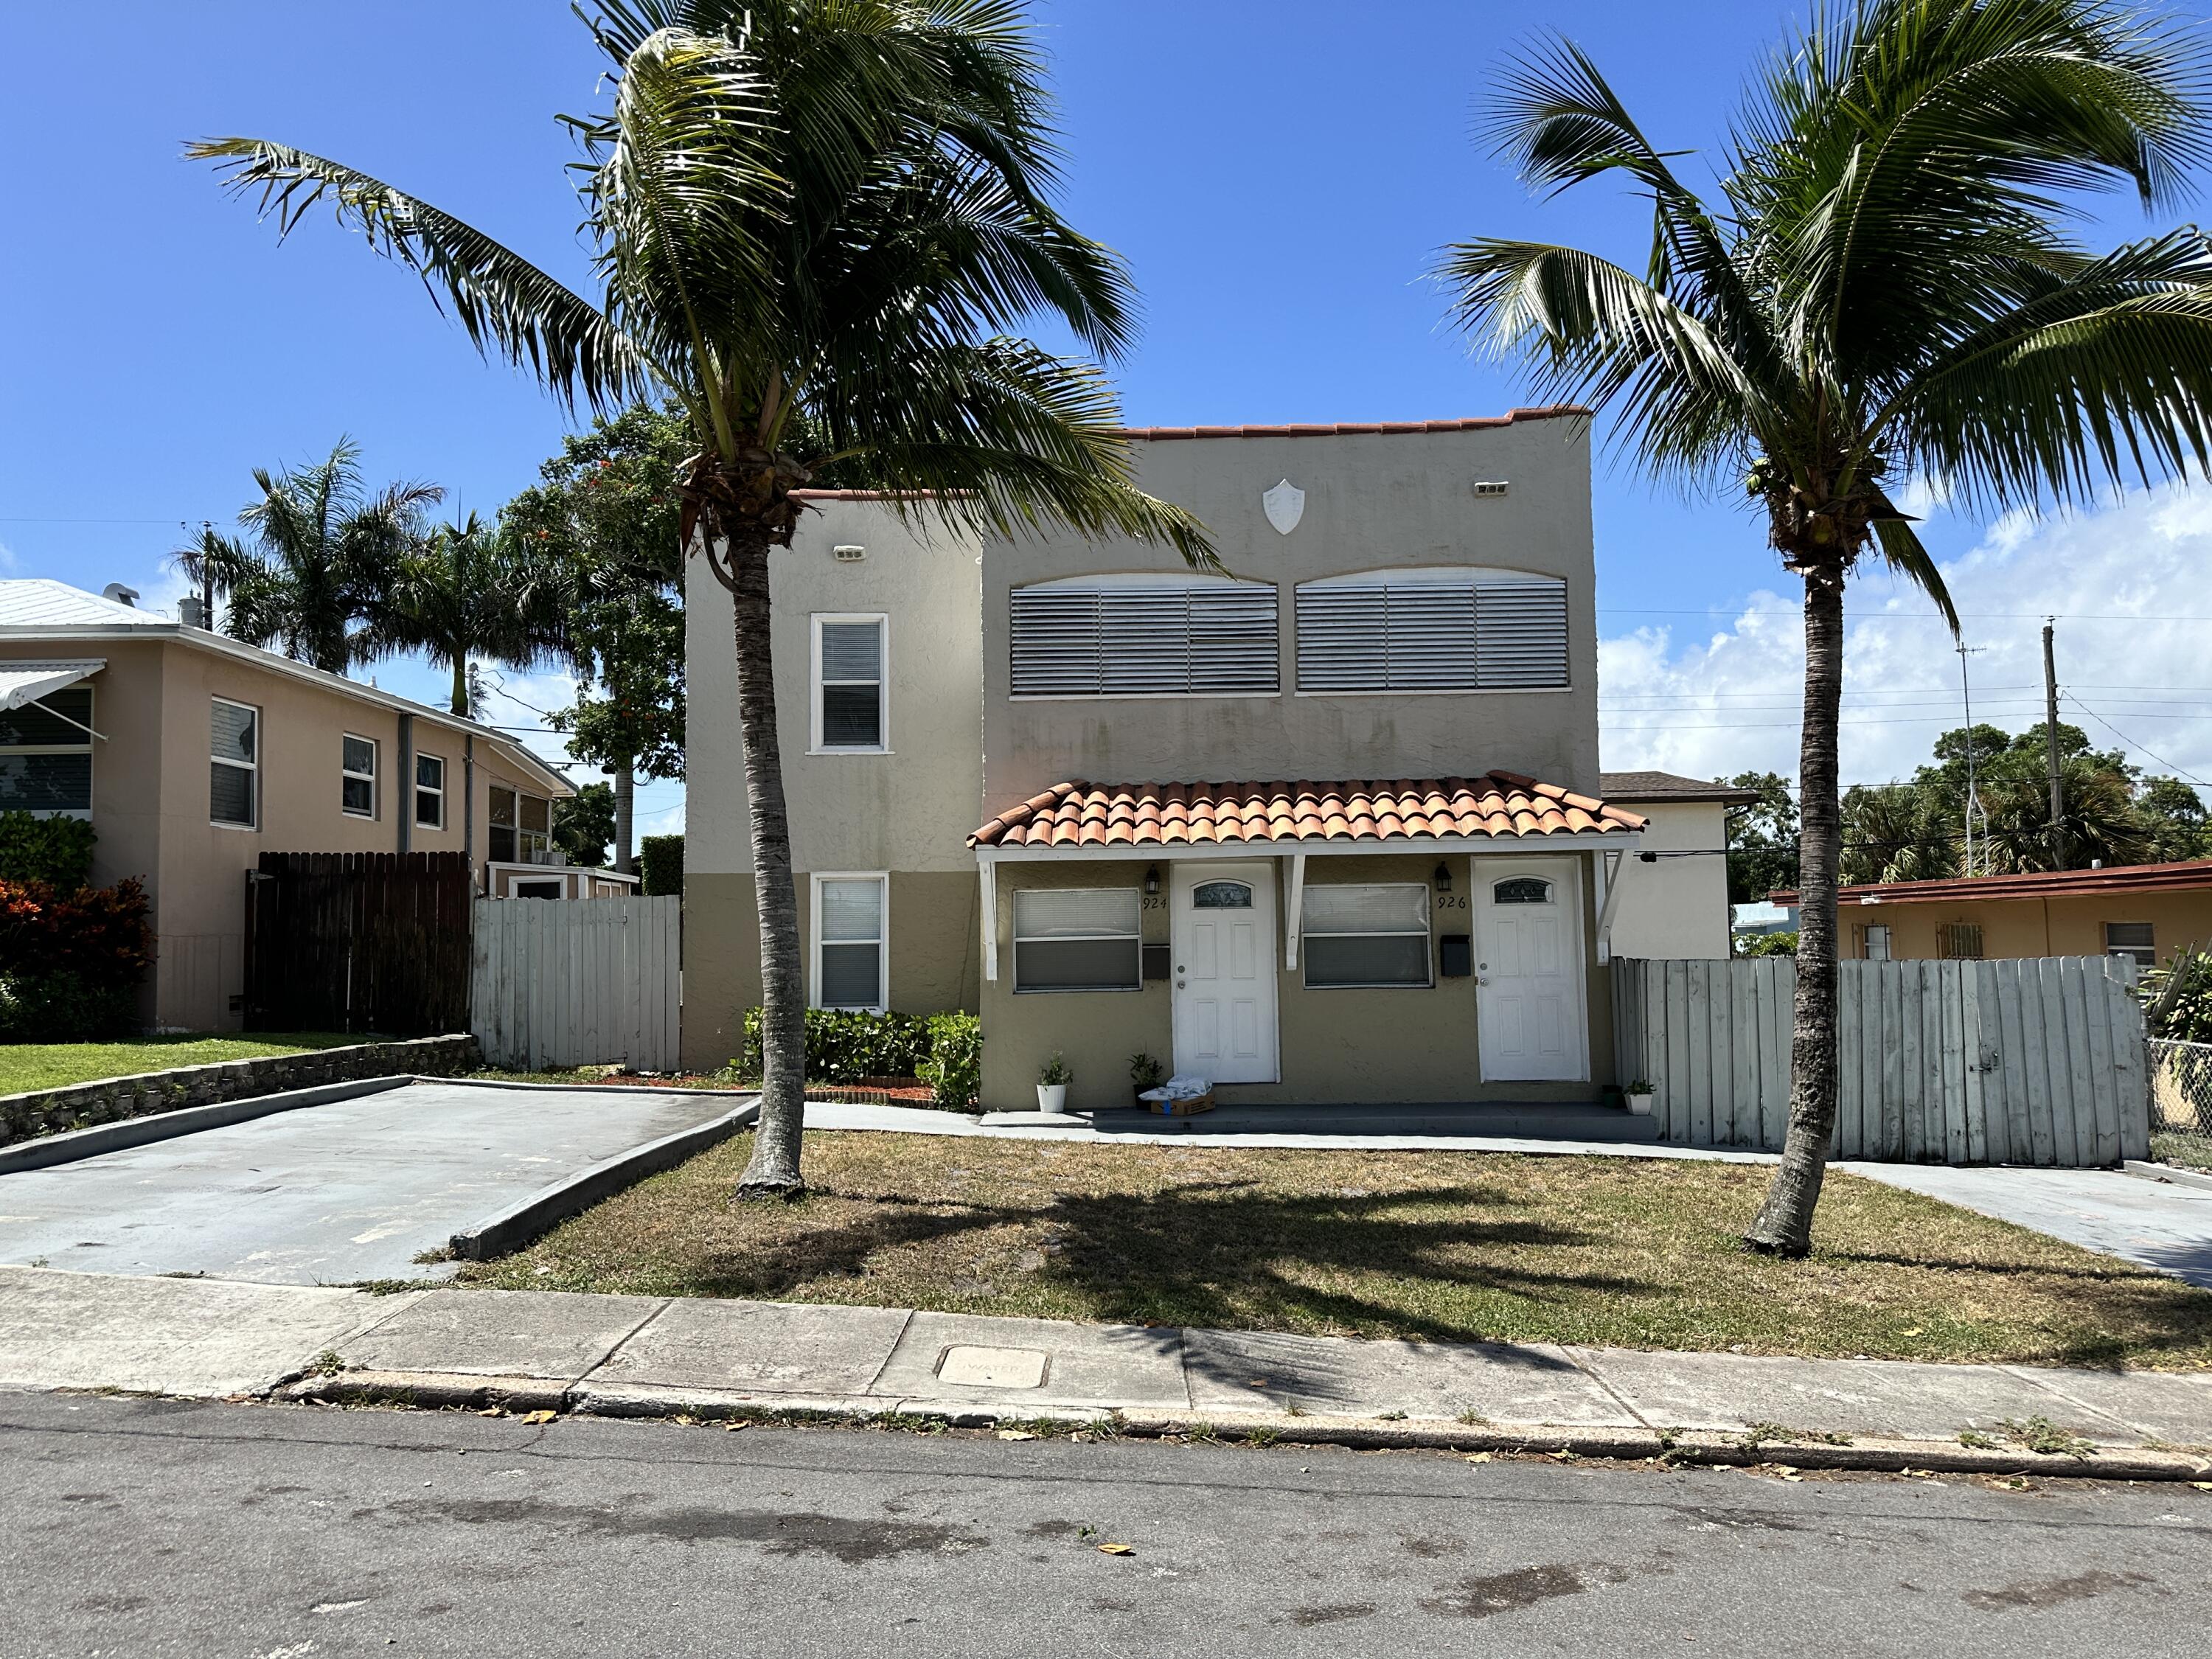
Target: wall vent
849 555
1491 487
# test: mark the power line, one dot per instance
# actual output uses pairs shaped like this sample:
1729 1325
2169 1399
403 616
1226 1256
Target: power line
2131 742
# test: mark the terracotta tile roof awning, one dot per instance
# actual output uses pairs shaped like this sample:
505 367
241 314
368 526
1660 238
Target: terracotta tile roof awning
1504 805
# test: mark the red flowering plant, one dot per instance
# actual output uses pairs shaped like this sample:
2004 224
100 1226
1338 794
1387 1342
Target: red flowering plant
71 959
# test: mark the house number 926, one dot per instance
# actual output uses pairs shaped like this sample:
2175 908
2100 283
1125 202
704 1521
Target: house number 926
1451 901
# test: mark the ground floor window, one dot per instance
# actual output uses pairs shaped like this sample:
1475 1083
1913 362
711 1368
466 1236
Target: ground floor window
849 936
2136 940
45 756
1959 941
1873 942
1361 934
1077 940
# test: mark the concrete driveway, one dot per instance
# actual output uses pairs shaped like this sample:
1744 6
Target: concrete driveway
350 1190
2161 1226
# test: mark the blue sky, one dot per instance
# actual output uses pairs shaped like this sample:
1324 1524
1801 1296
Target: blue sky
1279 174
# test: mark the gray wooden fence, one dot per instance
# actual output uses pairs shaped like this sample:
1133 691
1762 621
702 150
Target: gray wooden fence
2039 1061
562 982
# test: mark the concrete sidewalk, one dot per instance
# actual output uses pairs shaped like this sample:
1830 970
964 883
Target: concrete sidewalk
615 1355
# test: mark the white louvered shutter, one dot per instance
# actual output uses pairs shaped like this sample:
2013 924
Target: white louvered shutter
1234 639
1521 634
1431 635
1342 638
1144 642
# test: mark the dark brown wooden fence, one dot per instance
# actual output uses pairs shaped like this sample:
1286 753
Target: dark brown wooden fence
358 942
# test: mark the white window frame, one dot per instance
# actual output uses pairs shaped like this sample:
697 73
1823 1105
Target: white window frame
883 879
1421 575
92 764
418 789
882 682
1867 941
1426 934
252 768
1137 934
375 761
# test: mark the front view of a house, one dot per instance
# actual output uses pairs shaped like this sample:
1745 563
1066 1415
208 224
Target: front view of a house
1325 829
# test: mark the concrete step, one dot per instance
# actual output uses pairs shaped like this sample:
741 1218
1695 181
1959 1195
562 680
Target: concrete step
1539 1120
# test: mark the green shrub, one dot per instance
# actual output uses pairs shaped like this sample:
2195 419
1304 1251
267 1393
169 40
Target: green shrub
2178 998
660 863
843 1045
61 1006
1770 944
954 1069
70 960
55 851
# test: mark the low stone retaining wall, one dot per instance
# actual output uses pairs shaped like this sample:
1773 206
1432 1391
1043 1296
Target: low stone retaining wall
81 1105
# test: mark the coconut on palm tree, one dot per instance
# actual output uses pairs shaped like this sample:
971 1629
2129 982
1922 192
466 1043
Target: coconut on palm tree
814 222
1886 287
473 591
317 548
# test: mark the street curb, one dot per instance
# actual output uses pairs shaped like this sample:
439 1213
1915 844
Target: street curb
1568 1442
528 1219
589 1088
2167 1173
72 1145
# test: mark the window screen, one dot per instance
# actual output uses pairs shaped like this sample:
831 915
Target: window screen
1366 935
850 932
851 713
2136 940
233 763
1077 941
1431 635
1177 639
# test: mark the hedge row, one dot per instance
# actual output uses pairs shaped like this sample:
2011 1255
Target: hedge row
945 1051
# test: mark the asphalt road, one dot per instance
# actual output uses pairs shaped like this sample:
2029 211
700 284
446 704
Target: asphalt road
137 1527
348 1190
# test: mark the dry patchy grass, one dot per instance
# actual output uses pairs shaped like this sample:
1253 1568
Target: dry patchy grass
1433 1246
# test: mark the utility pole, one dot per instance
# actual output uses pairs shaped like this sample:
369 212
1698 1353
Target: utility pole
2051 742
1974 807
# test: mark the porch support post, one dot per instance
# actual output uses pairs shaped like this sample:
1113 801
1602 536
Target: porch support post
1294 909
986 871
1609 872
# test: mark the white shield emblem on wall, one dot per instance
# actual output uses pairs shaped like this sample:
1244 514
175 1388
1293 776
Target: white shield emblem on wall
1287 505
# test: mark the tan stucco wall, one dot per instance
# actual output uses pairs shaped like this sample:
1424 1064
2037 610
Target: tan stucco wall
2071 925
1371 502
1677 906
910 810
1338 1046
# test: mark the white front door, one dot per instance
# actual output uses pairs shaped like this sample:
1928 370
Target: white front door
1530 1002
1224 972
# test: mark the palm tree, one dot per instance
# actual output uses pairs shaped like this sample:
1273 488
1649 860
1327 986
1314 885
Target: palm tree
472 591
1886 290
813 219
317 548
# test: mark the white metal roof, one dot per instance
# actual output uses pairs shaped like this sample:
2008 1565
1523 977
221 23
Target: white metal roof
41 602
26 682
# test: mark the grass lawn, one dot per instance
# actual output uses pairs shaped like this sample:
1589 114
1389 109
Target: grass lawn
53 1065
2191 1151
1446 1245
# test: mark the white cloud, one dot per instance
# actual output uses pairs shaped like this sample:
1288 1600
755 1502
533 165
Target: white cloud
10 564
2127 583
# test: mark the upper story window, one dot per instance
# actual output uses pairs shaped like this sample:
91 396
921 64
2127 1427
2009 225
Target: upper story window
521 829
234 764
1432 630
1145 636
46 755
848 683
430 792
357 776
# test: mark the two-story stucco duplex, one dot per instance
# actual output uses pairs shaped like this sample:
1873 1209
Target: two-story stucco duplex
192 753
1327 828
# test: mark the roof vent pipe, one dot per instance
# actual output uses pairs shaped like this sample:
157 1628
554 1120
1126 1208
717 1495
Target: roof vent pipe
120 594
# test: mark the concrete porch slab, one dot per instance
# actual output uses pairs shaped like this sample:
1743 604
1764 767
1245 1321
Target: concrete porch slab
185 1336
1727 1391
1134 1366
759 1347
554 1335
1246 1370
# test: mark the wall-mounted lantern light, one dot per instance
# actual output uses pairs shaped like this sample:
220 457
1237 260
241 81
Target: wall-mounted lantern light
1444 878
1152 880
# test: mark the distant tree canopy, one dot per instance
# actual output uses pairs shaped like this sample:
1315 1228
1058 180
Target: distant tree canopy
1762 839
583 825
1915 830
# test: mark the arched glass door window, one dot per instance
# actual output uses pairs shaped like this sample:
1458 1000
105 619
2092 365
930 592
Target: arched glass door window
1221 895
1520 890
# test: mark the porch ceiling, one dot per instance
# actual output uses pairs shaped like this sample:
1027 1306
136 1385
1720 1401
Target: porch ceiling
1501 806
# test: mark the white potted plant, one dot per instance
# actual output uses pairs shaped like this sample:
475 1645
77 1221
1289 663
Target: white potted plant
1638 1095
1052 1084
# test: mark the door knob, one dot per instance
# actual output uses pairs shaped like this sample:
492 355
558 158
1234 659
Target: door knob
1178 985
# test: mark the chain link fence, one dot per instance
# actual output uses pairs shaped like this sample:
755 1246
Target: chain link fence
2181 1103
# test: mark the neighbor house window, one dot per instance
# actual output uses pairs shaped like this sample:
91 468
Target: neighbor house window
521 830
357 776
429 791
45 756
848 683
1077 940
1366 935
1146 636
1432 630
1958 941
848 941
234 764
1873 942
2136 940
